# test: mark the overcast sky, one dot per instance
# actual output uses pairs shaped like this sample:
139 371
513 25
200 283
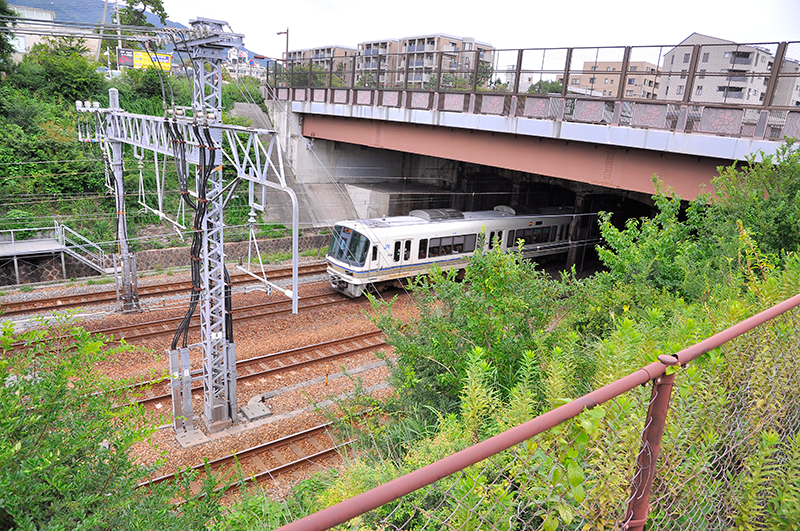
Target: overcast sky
503 24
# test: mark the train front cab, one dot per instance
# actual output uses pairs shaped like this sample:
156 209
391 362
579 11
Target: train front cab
349 257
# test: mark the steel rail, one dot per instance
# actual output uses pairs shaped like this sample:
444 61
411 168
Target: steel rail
165 396
152 290
167 326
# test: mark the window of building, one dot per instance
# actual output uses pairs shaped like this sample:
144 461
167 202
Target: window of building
727 54
680 90
594 67
606 81
705 57
592 80
629 93
576 81
702 73
631 81
612 80
686 57
604 93
608 69
634 68
672 60
699 90
683 74
666 91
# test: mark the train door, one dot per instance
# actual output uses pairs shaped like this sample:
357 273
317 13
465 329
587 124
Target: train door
401 253
373 264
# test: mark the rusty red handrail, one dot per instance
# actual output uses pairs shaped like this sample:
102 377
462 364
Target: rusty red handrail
399 487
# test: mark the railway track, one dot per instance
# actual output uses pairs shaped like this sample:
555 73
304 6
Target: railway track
158 391
267 460
139 331
162 289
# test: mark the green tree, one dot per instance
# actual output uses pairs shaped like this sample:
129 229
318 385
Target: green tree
57 66
545 87
298 76
485 72
765 196
65 460
133 14
6 49
503 306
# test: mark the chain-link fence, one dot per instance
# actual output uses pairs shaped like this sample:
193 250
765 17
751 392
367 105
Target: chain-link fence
729 456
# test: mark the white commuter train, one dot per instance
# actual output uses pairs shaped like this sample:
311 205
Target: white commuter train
385 250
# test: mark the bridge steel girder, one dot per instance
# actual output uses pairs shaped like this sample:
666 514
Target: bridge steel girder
612 167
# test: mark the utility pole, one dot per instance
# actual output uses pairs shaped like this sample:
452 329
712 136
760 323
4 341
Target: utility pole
130 293
194 136
102 29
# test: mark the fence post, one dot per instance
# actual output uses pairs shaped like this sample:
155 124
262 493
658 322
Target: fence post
639 507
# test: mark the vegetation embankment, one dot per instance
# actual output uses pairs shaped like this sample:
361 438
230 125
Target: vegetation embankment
48 175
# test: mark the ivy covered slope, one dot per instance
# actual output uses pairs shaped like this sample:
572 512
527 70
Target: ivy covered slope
47 174
509 343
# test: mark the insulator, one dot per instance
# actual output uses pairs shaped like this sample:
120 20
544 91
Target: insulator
95 105
87 104
78 104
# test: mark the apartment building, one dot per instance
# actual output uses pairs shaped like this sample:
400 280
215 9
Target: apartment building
458 56
726 72
323 57
603 78
378 57
22 43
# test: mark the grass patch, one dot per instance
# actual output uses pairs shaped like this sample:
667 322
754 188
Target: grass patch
26 289
316 253
99 281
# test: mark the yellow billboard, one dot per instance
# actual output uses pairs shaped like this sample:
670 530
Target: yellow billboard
140 59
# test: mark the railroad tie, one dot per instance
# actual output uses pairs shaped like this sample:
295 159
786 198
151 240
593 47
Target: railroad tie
259 463
279 457
317 445
297 450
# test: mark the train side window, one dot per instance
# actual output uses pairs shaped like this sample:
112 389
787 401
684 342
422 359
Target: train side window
423 249
407 250
374 253
458 244
469 242
553 233
537 236
433 249
526 235
491 240
510 242
446 247
397 251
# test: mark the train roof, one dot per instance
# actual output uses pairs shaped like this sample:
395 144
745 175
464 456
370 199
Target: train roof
444 215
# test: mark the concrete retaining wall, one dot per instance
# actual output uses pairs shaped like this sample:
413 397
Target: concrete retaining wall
179 256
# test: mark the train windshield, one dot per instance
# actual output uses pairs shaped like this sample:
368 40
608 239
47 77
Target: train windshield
348 246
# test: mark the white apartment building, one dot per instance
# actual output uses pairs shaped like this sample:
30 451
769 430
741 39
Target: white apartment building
726 72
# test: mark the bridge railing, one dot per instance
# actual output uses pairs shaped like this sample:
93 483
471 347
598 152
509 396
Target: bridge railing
712 444
742 90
